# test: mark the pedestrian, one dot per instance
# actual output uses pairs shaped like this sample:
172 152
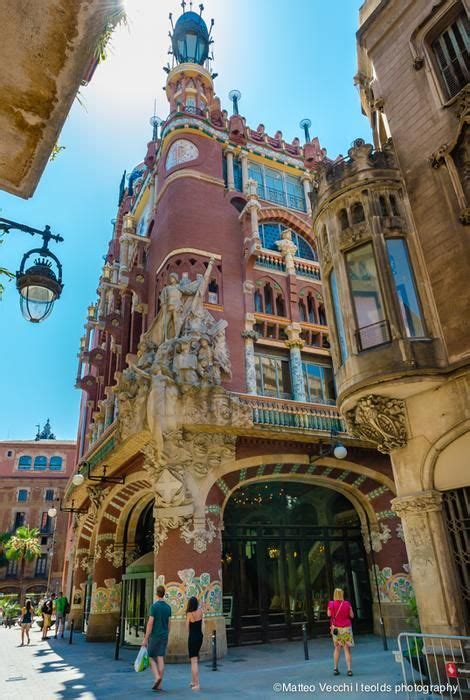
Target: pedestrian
46 611
26 620
341 614
194 621
61 608
156 636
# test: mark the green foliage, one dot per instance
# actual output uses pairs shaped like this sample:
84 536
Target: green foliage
55 151
10 607
24 545
3 271
116 18
413 616
4 537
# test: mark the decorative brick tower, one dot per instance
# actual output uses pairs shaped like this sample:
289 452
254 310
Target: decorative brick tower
208 387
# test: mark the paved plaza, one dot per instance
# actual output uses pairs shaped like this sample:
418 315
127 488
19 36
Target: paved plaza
55 669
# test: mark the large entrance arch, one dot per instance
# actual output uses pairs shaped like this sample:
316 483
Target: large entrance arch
286 546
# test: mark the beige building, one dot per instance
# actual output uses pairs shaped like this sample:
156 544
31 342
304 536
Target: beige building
48 50
392 224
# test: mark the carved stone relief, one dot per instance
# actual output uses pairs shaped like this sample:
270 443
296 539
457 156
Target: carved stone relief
381 420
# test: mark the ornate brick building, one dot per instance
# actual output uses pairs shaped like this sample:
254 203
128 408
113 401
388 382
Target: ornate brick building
208 394
33 475
392 224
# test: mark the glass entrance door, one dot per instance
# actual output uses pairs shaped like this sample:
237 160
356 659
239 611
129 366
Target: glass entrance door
277 576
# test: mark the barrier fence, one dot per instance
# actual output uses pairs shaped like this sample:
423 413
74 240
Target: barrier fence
434 666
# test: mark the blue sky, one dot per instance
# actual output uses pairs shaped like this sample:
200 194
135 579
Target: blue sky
289 58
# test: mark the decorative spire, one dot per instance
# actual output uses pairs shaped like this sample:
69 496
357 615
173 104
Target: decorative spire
305 124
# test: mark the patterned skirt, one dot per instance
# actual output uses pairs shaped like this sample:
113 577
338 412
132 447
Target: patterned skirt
344 638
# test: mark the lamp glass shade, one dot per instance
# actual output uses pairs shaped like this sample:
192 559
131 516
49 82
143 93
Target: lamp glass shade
340 452
36 302
78 479
52 512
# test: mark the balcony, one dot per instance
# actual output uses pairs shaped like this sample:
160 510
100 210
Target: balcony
373 335
285 199
305 268
292 414
271 261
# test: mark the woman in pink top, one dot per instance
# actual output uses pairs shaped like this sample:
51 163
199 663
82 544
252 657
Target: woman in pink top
340 613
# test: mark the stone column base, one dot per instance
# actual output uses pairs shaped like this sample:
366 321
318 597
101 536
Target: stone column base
394 616
77 617
102 627
177 651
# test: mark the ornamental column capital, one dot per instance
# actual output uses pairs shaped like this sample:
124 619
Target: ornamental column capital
417 503
229 149
293 334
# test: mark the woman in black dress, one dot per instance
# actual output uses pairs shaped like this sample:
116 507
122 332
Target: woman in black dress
194 624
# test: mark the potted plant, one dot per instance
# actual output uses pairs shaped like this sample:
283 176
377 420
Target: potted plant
414 650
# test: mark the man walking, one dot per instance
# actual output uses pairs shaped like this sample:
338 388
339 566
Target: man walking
61 609
156 636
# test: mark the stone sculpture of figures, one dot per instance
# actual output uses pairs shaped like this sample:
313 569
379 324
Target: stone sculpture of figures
205 359
221 358
185 363
182 304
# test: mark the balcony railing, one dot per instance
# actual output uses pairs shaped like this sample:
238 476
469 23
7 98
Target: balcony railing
271 261
292 414
280 197
305 268
373 335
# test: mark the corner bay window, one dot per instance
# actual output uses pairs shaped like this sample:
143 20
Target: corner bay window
372 328
338 317
405 288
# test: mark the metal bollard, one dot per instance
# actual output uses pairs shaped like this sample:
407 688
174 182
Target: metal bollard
118 641
304 636
214 650
71 631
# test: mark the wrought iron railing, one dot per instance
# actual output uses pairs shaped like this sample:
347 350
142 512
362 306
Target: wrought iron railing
373 335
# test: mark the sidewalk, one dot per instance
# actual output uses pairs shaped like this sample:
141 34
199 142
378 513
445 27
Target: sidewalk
55 669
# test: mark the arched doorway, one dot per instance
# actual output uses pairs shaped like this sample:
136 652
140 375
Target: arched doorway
286 546
138 577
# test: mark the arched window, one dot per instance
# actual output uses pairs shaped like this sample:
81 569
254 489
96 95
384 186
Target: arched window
343 219
321 315
55 463
270 233
258 302
40 462
357 213
383 206
312 315
213 292
269 299
394 205
302 311
25 462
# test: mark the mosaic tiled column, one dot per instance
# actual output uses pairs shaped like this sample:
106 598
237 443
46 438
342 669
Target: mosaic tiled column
106 588
250 336
428 551
230 175
187 562
295 344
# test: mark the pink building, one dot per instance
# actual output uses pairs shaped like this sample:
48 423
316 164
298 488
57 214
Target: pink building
33 475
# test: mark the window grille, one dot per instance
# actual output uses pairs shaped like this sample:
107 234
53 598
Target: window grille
451 49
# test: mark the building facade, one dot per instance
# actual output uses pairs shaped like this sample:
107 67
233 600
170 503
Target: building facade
391 220
33 476
208 395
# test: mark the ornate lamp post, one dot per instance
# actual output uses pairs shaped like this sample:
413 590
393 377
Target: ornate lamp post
39 281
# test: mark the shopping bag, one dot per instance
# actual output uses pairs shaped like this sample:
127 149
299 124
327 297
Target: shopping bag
142 660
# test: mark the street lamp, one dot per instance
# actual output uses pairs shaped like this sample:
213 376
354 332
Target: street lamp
78 479
337 449
39 281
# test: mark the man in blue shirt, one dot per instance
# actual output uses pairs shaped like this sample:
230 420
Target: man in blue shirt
156 636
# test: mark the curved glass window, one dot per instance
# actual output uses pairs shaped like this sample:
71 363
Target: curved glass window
40 462
271 232
276 186
55 463
25 462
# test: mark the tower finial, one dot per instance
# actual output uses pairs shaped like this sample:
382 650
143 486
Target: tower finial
235 96
305 124
183 5
201 9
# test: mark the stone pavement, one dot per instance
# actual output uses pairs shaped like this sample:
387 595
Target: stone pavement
55 669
